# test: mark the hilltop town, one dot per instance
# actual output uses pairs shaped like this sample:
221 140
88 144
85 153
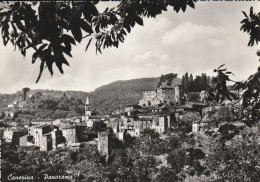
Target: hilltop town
164 115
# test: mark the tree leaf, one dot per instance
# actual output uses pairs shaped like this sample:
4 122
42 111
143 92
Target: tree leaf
97 27
41 48
40 73
191 4
77 34
49 64
88 44
59 66
14 28
221 66
245 14
89 11
139 20
64 61
229 72
67 50
85 26
75 15
251 12
183 7
68 39
34 57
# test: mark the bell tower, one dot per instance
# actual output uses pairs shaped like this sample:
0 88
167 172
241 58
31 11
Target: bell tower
87 109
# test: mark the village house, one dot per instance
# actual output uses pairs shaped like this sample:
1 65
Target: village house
201 126
82 132
39 132
42 122
12 106
134 125
194 106
211 108
10 113
23 140
46 137
159 109
130 109
69 133
11 135
189 116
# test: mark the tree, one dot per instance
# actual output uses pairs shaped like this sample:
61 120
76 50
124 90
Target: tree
186 82
43 30
250 99
251 25
191 82
236 162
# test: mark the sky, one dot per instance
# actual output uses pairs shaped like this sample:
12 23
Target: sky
196 42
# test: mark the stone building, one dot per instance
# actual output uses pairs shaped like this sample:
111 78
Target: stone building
189 116
45 137
203 125
130 109
164 94
12 135
104 148
10 114
23 140
162 122
134 125
69 133
38 132
46 142
42 122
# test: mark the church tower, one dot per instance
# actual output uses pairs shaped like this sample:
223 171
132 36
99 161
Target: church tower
87 109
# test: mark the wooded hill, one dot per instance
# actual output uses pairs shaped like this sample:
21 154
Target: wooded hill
106 98
115 95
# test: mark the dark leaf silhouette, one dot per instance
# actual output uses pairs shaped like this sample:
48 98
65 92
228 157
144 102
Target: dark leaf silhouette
88 44
221 66
41 70
139 20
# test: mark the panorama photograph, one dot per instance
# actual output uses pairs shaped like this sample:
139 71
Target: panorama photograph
130 91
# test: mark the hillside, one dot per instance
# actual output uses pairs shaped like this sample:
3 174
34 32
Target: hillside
121 93
106 98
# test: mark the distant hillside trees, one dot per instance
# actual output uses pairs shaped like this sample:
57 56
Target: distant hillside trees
64 104
189 84
166 80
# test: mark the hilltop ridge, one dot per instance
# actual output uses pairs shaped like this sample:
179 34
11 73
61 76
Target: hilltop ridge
106 98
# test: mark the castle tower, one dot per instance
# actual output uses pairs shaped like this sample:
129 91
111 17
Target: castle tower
87 109
104 144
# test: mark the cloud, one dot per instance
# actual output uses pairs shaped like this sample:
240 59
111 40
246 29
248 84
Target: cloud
138 71
190 32
64 82
153 57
